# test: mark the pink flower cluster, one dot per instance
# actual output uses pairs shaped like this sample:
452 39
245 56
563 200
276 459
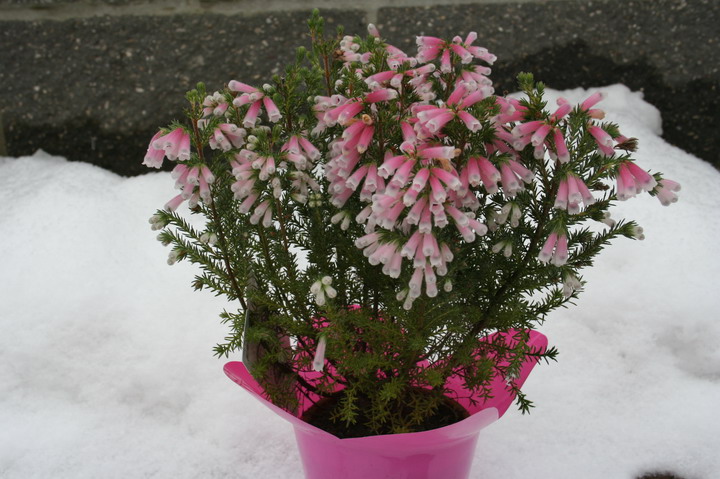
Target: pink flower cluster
539 134
571 192
666 192
425 184
555 249
227 136
428 166
174 145
631 180
257 99
215 105
194 185
252 169
430 48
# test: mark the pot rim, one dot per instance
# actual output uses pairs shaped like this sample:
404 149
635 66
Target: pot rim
480 416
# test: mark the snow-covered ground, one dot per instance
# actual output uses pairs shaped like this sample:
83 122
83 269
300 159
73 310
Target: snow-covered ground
106 365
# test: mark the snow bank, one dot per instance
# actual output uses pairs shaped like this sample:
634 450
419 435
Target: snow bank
107 369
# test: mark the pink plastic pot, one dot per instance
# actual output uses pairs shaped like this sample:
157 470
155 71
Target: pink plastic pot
443 453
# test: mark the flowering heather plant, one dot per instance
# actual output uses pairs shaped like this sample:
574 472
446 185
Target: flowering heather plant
378 215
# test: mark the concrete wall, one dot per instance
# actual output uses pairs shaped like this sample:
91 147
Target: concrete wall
91 80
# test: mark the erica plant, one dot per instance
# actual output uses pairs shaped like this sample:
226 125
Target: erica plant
376 215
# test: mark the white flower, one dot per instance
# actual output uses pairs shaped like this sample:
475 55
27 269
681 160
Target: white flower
515 215
342 217
497 247
608 220
319 360
503 245
156 222
637 232
372 30
570 284
162 239
322 288
407 305
172 257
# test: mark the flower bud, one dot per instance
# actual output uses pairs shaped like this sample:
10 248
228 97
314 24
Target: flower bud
162 239
637 233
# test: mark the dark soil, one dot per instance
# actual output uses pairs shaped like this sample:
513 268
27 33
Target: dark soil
320 415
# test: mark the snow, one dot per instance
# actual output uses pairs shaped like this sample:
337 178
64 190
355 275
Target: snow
106 358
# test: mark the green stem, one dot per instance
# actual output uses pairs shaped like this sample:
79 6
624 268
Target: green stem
218 225
225 257
269 266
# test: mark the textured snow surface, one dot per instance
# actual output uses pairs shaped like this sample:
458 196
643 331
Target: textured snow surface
106 366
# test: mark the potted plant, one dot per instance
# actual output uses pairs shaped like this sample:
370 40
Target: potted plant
392 232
